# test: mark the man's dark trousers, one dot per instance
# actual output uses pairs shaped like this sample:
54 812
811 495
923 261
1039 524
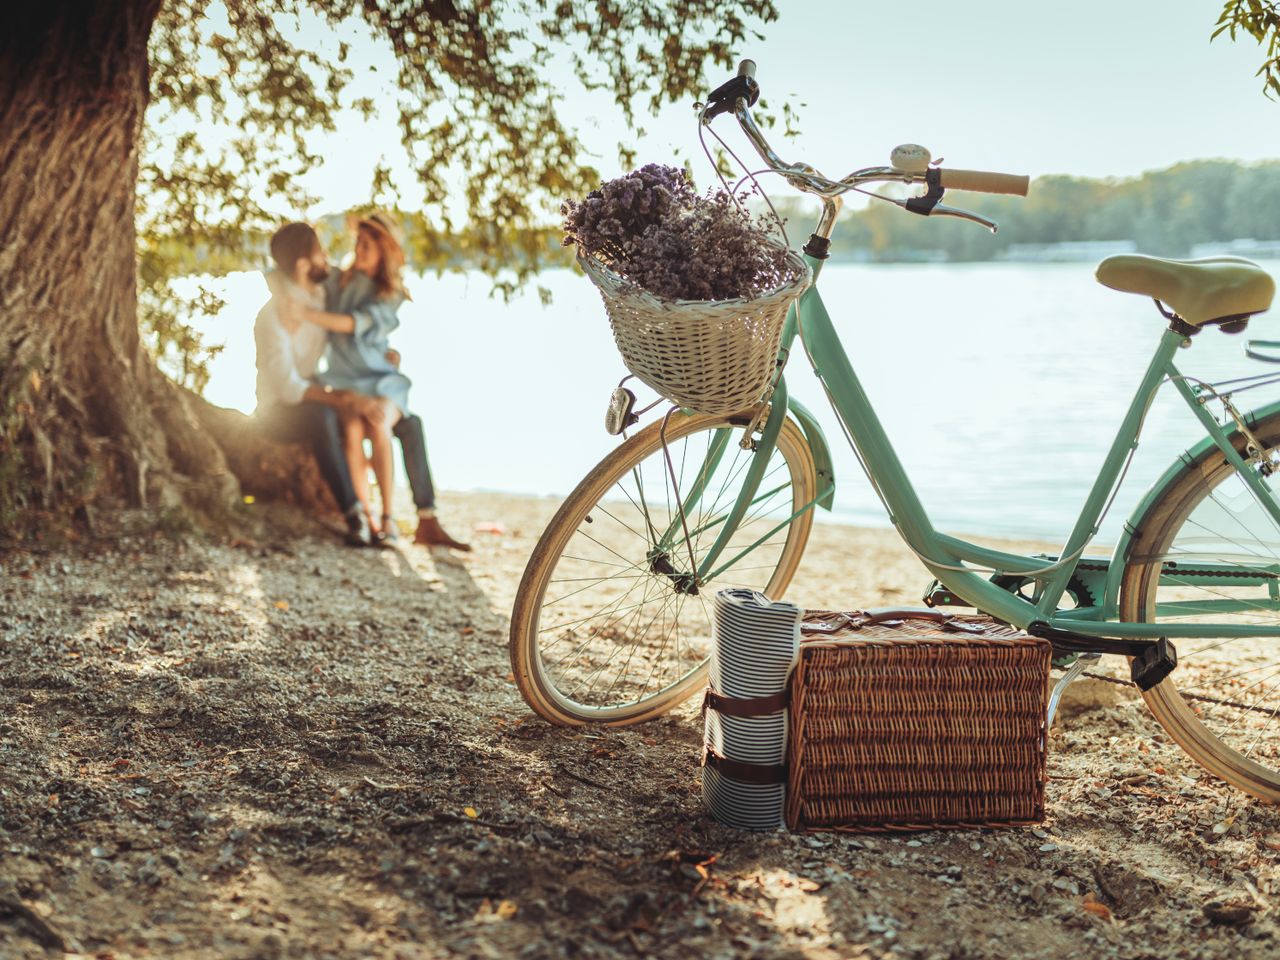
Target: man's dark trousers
316 425
414 447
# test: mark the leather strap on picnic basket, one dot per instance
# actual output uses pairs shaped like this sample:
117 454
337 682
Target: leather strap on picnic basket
830 621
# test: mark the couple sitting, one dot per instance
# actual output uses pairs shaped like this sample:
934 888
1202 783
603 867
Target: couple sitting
344 316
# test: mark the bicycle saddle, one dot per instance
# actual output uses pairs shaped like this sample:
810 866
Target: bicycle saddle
1212 290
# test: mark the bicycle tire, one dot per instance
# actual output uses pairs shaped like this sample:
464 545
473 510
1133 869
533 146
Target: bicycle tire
1208 716
545 688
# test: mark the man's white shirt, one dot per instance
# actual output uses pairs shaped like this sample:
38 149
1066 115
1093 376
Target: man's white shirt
286 361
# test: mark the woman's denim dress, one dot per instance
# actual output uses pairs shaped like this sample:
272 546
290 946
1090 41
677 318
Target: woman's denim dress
357 361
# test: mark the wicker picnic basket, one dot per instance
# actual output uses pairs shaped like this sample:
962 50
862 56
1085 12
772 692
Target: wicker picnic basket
711 356
915 720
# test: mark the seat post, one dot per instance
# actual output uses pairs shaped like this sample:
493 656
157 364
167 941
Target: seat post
1176 323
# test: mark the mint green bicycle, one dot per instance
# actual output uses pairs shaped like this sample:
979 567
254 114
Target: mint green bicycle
612 621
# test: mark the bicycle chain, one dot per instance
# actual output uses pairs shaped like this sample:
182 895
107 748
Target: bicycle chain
1186 696
1189 572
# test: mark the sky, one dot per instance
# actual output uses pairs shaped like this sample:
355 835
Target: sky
1090 88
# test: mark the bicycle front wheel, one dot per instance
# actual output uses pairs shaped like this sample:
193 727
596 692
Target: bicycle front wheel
611 624
1208 551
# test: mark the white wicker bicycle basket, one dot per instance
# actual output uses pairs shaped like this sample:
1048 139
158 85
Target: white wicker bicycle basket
711 356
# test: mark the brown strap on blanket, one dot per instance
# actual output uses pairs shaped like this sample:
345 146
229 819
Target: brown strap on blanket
763 773
748 707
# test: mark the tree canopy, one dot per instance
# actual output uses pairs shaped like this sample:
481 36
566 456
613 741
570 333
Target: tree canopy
237 95
1259 19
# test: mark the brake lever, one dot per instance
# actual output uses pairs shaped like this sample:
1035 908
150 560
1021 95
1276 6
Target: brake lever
942 210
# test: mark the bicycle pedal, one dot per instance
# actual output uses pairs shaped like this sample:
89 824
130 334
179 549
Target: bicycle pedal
619 416
939 596
1153 664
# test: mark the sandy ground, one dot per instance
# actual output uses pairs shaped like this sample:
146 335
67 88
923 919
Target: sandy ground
288 748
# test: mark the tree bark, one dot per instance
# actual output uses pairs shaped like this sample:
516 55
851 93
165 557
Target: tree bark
86 417
266 470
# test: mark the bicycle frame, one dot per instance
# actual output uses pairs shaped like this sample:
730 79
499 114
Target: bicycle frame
945 556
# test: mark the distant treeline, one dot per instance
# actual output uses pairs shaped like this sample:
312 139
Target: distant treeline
1163 212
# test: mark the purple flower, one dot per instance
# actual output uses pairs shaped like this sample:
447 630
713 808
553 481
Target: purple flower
654 229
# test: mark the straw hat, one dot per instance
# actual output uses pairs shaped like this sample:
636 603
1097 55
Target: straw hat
382 222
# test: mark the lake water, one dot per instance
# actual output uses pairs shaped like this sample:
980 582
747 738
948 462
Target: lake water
1001 384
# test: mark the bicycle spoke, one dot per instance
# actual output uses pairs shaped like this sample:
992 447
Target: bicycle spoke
574 593
602 509
1240 523
635 617
613 612
626 630
1210 708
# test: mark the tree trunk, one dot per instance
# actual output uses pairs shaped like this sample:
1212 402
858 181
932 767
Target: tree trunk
86 417
266 470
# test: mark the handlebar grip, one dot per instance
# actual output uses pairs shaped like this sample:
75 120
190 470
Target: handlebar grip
747 68
982 181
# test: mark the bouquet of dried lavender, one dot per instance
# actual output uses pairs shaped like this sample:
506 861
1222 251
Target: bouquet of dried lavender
656 231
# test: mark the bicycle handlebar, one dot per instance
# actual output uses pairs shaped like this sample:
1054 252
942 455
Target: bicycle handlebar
982 181
739 93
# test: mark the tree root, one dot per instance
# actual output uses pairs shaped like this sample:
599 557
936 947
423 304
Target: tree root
41 931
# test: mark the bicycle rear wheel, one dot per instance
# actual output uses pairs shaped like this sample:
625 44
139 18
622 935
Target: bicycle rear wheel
609 626
1208 551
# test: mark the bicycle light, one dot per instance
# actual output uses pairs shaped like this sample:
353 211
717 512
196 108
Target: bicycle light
619 416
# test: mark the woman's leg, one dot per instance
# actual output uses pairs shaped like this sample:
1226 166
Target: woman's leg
353 434
384 463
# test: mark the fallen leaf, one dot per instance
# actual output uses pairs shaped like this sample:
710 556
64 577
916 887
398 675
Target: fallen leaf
490 911
506 909
282 604
248 498
1233 914
1092 905
471 812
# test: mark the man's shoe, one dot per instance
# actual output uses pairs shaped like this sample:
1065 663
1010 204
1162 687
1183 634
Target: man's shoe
431 534
358 533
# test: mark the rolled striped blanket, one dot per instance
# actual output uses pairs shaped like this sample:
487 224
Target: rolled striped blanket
756 642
